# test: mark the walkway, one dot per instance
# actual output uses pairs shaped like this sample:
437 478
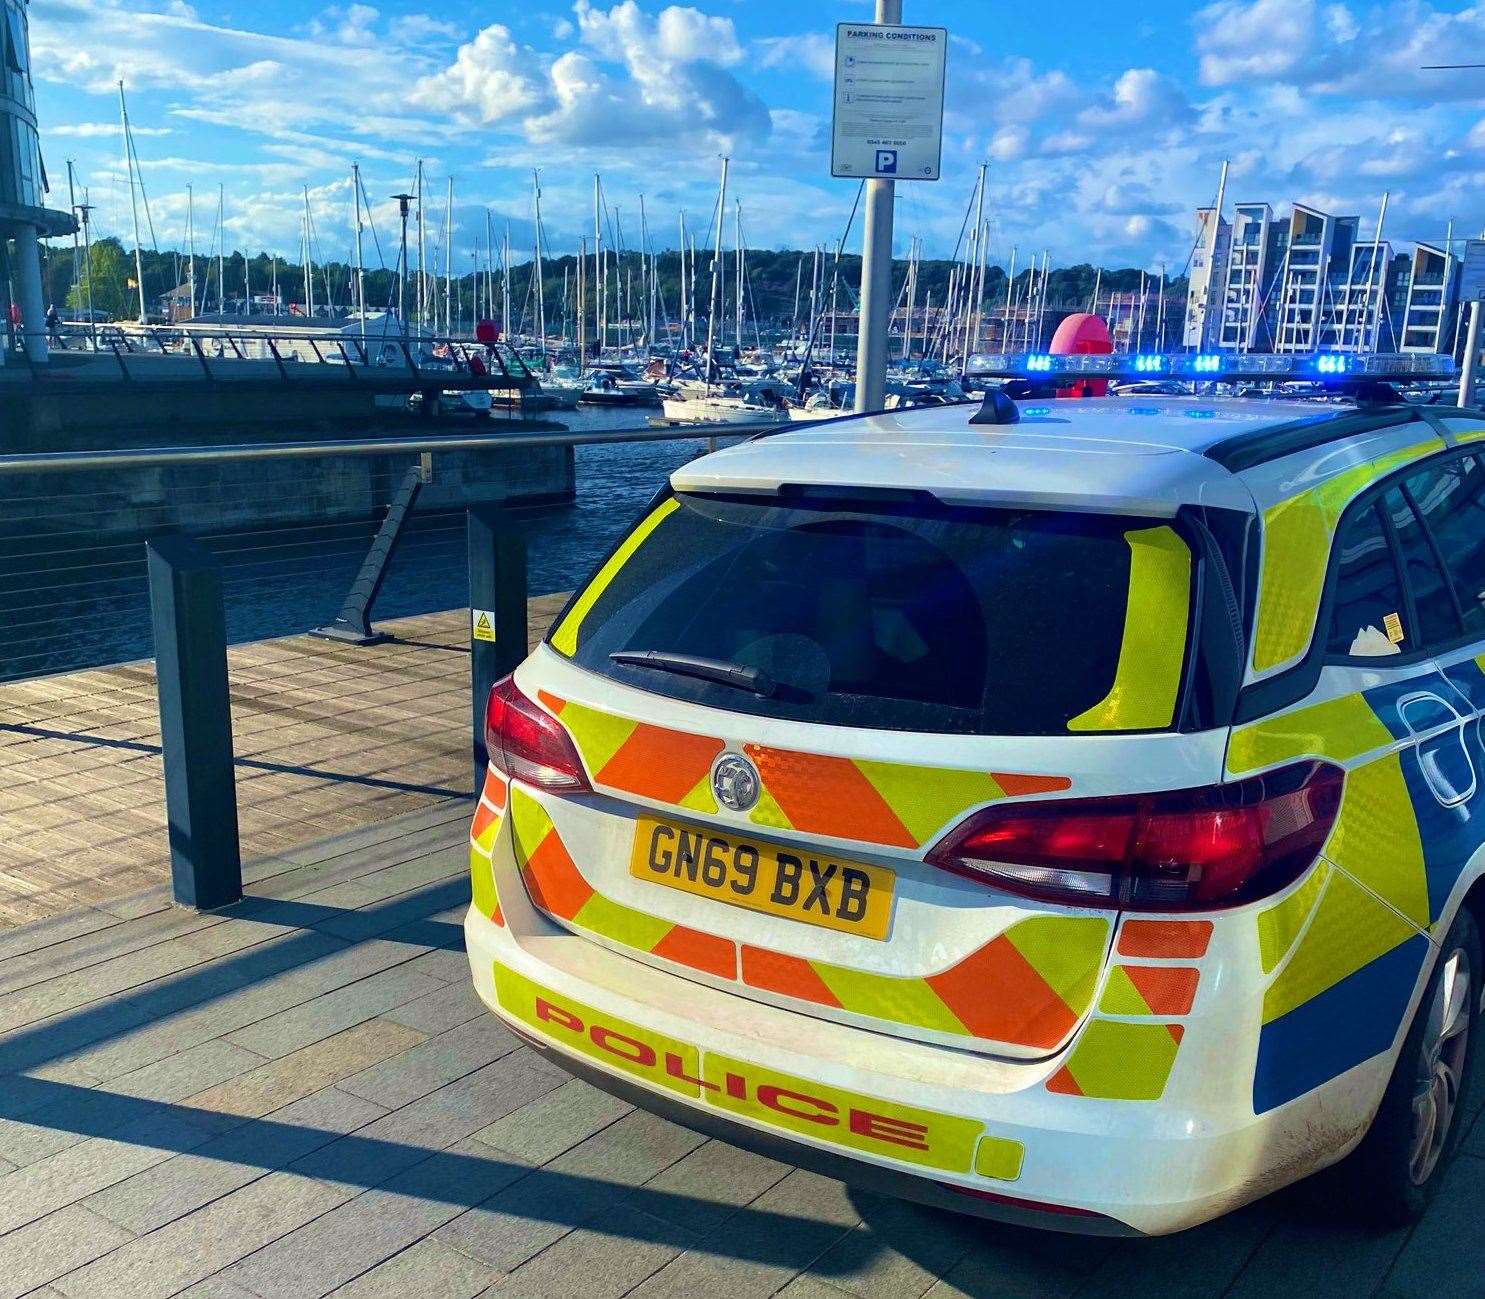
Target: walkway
302 1096
328 737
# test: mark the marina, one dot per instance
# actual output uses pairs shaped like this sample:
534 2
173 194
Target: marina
651 649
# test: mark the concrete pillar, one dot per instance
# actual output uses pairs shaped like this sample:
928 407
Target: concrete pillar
28 293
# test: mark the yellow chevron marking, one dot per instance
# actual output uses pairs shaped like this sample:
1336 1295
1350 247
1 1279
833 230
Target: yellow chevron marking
1280 925
1148 677
564 639
1340 729
1296 552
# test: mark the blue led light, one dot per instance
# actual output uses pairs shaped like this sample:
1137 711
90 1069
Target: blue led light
1038 364
1148 364
1206 364
1332 363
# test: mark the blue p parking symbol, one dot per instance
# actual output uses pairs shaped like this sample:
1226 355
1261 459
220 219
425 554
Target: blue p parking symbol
887 160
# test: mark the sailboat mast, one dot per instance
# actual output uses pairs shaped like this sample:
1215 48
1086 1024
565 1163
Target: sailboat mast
681 305
541 302
133 204
647 277
309 261
599 286
505 288
360 260
191 246
422 251
221 250
448 261
912 295
711 313
977 260
738 267
582 303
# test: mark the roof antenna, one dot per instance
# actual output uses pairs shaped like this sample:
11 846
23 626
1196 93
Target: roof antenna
997 408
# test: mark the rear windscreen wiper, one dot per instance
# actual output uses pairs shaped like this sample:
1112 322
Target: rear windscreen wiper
690 665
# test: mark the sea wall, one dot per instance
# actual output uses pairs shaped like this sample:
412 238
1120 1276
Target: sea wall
221 496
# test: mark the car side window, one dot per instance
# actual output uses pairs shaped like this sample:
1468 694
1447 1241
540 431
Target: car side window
1451 497
1433 600
1369 620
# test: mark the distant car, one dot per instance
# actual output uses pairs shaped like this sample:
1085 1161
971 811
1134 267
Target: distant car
1074 821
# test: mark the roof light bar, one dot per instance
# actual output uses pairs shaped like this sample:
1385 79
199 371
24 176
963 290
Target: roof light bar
1219 367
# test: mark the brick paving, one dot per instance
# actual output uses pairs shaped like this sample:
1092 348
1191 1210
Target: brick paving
328 737
301 1095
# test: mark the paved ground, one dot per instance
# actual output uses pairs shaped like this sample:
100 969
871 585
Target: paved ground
328 738
302 1096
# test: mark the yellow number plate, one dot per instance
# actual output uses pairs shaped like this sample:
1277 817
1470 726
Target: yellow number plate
806 886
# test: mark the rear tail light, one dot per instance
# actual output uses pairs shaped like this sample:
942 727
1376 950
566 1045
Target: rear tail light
1190 849
528 744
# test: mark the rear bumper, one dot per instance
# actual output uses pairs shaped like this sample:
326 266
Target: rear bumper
925 1122
854 1172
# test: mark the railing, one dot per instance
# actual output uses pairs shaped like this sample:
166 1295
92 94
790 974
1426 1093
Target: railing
183 591
415 357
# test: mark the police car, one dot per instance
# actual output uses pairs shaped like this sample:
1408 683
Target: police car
1070 815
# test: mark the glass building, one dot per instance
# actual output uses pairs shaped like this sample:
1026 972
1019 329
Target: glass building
24 215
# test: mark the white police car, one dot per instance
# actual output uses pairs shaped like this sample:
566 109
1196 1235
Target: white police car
1076 821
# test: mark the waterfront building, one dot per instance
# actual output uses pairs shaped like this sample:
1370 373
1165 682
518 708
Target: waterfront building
1431 310
24 215
1207 280
1309 283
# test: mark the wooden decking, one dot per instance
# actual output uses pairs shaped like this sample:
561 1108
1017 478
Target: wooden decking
328 738
302 1096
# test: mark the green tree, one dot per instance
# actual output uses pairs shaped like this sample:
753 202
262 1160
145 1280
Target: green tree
112 269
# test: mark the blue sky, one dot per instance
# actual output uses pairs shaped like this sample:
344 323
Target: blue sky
1104 126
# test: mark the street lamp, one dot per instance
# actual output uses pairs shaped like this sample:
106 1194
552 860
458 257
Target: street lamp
82 210
404 204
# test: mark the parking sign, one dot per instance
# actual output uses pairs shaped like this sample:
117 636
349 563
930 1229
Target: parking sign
889 101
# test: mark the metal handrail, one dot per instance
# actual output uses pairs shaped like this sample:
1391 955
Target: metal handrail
152 457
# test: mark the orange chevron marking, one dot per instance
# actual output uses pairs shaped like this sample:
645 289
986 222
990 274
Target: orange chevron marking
1064 1083
789 976
705 952
996 994
824 795
1165 989
552 879
553 704
1165 938
661 764
494 792
484 816
498 916
1017 786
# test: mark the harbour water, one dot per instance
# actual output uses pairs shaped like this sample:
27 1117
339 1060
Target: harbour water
89 606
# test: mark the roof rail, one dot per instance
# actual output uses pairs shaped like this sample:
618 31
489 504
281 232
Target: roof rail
1244 450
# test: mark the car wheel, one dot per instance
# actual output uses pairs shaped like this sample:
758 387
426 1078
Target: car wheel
1421 1122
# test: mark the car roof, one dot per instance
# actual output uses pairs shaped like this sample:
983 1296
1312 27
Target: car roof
1140 454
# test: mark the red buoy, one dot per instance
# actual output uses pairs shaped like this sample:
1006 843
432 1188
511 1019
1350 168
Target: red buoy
1083 334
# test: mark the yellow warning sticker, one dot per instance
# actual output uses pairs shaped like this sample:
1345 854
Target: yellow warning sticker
1393 626
482 624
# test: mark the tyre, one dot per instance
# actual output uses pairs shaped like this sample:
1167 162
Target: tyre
1420 1124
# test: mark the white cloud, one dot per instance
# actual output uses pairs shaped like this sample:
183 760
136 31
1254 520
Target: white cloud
810 52
654 83
488 80
1245 40
420 29
104 130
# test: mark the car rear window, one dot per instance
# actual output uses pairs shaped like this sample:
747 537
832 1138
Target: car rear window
905 616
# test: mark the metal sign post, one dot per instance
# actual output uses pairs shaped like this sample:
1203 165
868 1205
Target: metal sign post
888 125
1471 291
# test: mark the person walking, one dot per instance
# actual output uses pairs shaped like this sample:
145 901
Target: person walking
54 327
